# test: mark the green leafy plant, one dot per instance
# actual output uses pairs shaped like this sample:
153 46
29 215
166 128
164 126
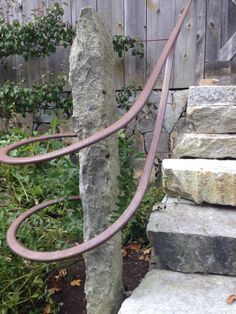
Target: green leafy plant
122 44
37 38
125 97
24 283
136 227
40 36
18 99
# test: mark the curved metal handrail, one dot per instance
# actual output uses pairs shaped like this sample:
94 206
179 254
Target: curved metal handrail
143 183
121 123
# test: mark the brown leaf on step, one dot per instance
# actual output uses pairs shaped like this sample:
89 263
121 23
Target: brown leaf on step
146 255
231 298
145 258
62 273
124 253
54 289
75 283
147 251
133 247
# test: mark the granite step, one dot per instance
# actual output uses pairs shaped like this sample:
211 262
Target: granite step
221 146
212 95
167 292
201 180
212 109
192 238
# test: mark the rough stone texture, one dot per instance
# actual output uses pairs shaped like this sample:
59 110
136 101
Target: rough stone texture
2 124
42 128
145 122
138 164
175 109
212 118
163 146
17 121
206 146
138 141
167 292
201 180
182 127
212 95
176 105
193 238
91 78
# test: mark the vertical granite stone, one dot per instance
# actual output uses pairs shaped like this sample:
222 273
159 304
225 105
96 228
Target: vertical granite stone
91 79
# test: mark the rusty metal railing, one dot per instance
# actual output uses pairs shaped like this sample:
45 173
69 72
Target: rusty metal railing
166 57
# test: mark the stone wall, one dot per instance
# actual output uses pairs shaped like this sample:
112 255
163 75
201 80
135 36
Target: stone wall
139 130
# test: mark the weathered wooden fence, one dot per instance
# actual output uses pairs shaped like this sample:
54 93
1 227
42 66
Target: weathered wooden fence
206 41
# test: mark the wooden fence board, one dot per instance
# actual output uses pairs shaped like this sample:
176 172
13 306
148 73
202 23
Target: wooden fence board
213 31
185 53
154 49
200 41
113 13
135 27
158 31
159 11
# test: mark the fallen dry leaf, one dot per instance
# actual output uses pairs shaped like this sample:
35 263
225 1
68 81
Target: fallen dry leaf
144 258
133 247
62 273
231 298
146 255
75 283
147 251
124 253
48 309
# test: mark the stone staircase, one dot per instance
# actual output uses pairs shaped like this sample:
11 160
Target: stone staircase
193 232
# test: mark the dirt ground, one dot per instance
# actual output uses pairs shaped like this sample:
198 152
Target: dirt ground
68 284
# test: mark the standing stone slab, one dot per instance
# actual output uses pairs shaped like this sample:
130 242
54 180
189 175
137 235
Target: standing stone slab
91 78
206 146
201 180
194 238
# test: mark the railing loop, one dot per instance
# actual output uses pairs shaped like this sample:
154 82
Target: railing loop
166 56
